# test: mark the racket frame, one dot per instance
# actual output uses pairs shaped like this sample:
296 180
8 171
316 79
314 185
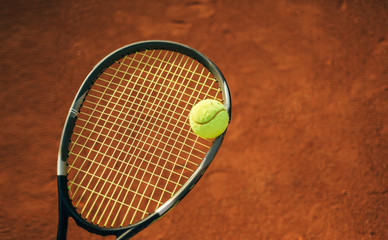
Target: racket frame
66 209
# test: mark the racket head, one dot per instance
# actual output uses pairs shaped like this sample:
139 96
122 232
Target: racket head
79 104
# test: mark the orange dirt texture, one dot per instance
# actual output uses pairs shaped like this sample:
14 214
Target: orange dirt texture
305 155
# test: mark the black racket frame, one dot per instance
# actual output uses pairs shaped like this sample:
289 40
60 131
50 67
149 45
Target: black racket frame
66 209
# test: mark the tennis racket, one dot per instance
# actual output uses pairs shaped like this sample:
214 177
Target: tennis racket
127 153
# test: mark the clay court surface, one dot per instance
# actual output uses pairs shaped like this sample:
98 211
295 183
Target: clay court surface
305 155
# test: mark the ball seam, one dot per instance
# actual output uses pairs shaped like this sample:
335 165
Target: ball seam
215 115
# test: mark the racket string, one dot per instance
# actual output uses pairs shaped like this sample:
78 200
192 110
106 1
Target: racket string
150 117
101 203
82 129
189 80
124 162
137 171
137 148
173 128
96 169
196 139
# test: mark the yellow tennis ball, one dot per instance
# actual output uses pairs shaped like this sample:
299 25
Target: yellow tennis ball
209 118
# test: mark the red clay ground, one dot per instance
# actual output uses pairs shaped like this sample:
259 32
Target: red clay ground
305 156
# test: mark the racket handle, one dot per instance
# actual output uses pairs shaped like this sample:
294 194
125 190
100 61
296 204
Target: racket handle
63 220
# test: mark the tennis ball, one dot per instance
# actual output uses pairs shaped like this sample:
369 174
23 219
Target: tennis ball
209 118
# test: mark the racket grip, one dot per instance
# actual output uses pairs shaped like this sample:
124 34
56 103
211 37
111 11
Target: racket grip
63 220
